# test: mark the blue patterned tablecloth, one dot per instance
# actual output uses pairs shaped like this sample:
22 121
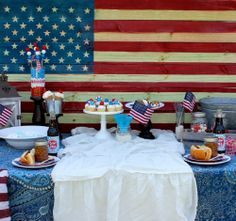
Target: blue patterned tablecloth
31 191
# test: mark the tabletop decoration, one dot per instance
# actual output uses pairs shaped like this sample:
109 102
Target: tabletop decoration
141 111
36 62
123 127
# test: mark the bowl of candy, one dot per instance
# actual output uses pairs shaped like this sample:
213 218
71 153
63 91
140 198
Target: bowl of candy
23 137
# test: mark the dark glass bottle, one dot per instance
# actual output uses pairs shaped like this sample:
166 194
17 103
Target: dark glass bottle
219 131
53 135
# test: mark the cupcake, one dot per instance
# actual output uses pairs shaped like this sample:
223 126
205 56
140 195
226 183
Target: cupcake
106 101
111 107
98 100
87 106
101 107
118 106
92 106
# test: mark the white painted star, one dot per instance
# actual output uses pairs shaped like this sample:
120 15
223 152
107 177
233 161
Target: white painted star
31 19
7 9
21 68
30 32
78 19
53 67
55 39
87 27
7 25
6 39
5 68
85 68
47 33
54 53
47 45
54 9
55 27
6 52
46 18
22 52
14 32
39 26
62 47
78 60
69 54
70 40
63 19
39 9
14 46
77 47
86 42
71 10
86 54
39 39
61 60
23 25
87 11
30 45
13 60
23 39
69 67
23 9
71 27
62 33
46 60
15 19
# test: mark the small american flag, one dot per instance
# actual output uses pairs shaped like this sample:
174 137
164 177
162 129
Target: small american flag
141 112
189 101
5 115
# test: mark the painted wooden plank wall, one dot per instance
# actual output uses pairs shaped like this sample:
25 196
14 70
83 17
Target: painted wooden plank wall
153 49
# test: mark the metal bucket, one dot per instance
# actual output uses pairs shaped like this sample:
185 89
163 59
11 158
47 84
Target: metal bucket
54 106
227 105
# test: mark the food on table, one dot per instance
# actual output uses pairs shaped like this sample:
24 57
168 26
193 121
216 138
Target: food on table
201 152
148 103
28 157
105 105
212 142
41 150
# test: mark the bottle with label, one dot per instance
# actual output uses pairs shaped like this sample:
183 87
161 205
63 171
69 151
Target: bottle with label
53 135
219 131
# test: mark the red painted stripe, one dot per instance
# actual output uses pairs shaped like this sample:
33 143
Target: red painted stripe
173 4
163 68
4 213
137 86
3 197
165 47
135 26
3 179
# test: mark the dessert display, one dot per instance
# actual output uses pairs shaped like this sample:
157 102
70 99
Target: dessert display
106 105
201 152
150 104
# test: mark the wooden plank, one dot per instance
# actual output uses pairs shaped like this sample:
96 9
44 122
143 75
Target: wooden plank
190 15
165 37
86 118
164 57
128 78
131 96
173 4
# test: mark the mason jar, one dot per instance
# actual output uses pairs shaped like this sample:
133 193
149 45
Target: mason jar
199 122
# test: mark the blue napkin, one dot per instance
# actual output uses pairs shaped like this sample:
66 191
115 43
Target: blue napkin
123 121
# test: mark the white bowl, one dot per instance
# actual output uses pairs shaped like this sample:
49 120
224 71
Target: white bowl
23 137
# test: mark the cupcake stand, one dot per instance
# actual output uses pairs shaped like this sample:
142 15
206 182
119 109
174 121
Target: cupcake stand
103 134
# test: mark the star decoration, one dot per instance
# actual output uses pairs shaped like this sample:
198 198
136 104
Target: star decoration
87 11
39 26
70 40
22 53
6 39
86 54
69 67
23 9
63 19
55 39
31 19
46 60
14 32
46 19
30 32
47 33
71 27
39 39
87 27
39 9
86 42
55 27
85 68
54 10
6 52
23 39
69 54
15 19
23 25
14 46
7 25
62 33
71 10
78 60
5 68
77 47
62 47
7 9
54 53
78 19
61 60
53 67
13 60
21 68
30 45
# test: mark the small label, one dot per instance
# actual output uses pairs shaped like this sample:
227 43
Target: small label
221 142
53 144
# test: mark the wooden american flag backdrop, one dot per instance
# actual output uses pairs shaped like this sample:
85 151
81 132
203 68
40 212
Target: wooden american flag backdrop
149 48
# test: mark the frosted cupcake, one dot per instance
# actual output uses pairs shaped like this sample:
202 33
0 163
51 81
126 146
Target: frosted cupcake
92 106
111 107
98 100
106 101
118 106
101 107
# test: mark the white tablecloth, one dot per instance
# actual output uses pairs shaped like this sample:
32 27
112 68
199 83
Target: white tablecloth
140 180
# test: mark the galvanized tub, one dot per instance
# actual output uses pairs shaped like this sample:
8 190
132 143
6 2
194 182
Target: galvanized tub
226 104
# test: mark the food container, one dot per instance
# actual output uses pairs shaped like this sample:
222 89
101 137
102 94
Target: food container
199 122
41 150
212 142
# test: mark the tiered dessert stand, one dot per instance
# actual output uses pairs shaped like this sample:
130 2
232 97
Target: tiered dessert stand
103 134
